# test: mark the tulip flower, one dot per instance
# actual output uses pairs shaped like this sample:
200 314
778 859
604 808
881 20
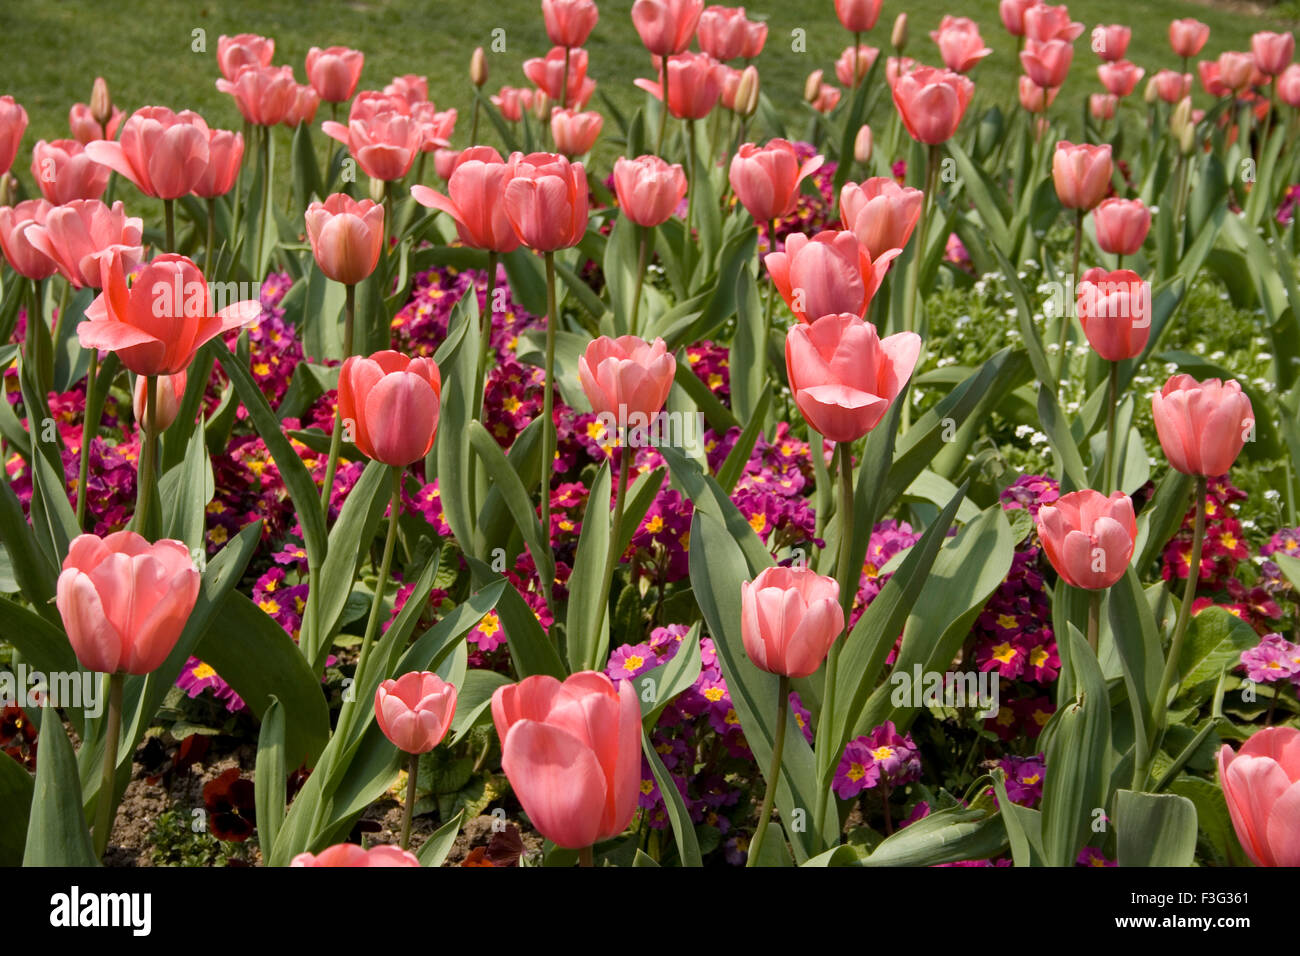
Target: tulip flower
881 213
63 171
569 22
789 619
1034 98
829 274
1102 106
81 235
13 123
1172 86
1210 81
1288 86
1202 426
1111 42
725 33
346 236
844 376
86 128
444 163
572 754
858 16
1122 225
264 95
164 153
549 74
333 72
1261 785
897 66
392 402
225 154
932 103
825 98
575 133
766 179
243 50
411 88
349 854
960 46
1236 70
1187 37
303 109
1012 13
1114 309
855 63
381 134
1044 23
755 38
1088 537
666 26
1082 174
1047 62
546 201
694 85
436 128
649 190
171 389
26 259
415 713
1120 78
512 101
862 145
475 186
1272 51
626 377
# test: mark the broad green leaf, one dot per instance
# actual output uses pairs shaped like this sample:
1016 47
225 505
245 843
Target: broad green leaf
688 848
270 777
439 844
1154 829
56 830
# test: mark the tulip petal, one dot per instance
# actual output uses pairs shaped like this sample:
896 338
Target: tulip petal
558 780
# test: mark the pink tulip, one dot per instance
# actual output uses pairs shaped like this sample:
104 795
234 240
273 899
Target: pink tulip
858 16
346 236
415 711
512 101
444 163
225 154
626 377
1012 13
666 26
960 46
1187 37
829 274
1272 51
694 85
1114 309
547 74
437 127
164 153
1088 537
1111 42
853 66
170 391
1121 78
393 403
575 133
932 102
1102 106
1209 73
64 172
382 135
572 754
1122 225
411 88
755 38
264 95
827 98
86 128
1034 98
766 179
157 325
1236 70
242 50
27 260
844 376
349 854
1172 86
546 201
1082 174
881 213
1047 62
475 188
648 189
1202 426
124 601
303 109
1261 785
724 32
789 619
569 22
80 236
1288 86
1043 23
334 72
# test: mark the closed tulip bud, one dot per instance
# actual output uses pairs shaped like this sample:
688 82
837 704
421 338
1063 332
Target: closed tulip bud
626 376
1088 538
766 179
1151 95
334 72
393 403
747 92
1114 309
666 27
789 619
575 133
1272 51
1261 786
346 236
415 711
124 601
478 68
858 16
1082 174
1122 225
862 145
171 389
101 104
1180 116
932 102
546 201
648 189
1187 139
1202 426
898 38
1187 37
541 105
812 86
350 855
844 376
377 189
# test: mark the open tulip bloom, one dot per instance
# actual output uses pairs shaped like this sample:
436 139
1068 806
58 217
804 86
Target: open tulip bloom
875 450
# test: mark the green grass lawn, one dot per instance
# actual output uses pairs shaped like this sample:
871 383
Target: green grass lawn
53 49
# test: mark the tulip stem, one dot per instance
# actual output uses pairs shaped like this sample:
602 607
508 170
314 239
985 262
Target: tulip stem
408 811
586 858
642 262
57 333
239 185
485 334
663 104
146 476
108 780
385 566
1110 481
1063 339
613 553
212 238
564 89
692 172
88 428
169 223
336 438
857 46
910 299
548 406
774 770
1169 674
1094 618
473 123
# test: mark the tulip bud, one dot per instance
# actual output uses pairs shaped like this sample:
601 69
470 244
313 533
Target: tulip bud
1187 140
478 70
1181 117
747 92
898 39
101 104
862 145
541 106
377 189
812 88
1151 94
8 189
